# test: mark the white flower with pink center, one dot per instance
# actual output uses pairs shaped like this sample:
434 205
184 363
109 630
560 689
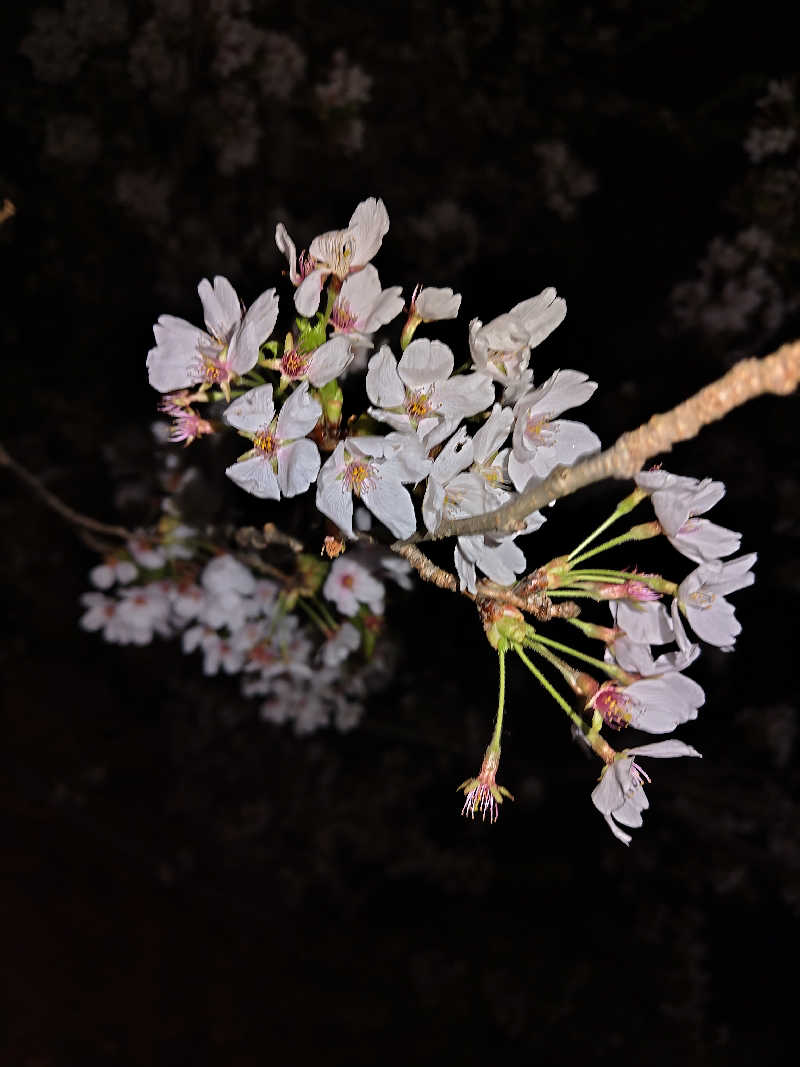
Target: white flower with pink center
677 501
655 705
102 615
349 585
185 355
502 348
701 598
373 469
417 395
281 460
111 571
145 611
542 441
337 252
361 306
620 796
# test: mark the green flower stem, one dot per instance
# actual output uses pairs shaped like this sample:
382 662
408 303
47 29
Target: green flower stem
494 744
325 613
607 668
540 678
571 593
636 533
606 634
315 617
577 680
602 574
623 508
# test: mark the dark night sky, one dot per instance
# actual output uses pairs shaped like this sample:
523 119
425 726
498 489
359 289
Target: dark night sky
186 884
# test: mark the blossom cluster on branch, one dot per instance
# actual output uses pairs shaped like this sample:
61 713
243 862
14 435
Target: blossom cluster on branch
413 437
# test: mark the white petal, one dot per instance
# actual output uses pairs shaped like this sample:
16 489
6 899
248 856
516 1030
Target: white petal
425 362
384 387
540 315
298 466
392 504
464 395
454 458
334 499
388 305
221 308
286 245
256 326
329 360
360 291
433 305
255 476
493 433
306 299
664 749
175 363
299 415
370 221
701 540
252 411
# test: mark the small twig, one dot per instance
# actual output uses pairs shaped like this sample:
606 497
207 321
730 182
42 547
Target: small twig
269 534
778 373
537 604
426 568
58 505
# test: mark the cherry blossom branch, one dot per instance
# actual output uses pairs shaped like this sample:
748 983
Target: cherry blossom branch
778 373
58 505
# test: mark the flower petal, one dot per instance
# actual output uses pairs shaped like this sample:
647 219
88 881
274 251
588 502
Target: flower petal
256 326
221 309
299 415
252 411
384 387
255 476
425 362
298 466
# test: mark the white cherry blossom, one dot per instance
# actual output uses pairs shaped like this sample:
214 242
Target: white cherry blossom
185 355
655 705
337 252
701 598
620 796
502 348
417 395
677 501
373 468
282 459
349 585
362 307
320 366
541 440
111 571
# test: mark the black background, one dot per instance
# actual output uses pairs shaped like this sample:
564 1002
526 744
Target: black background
186 884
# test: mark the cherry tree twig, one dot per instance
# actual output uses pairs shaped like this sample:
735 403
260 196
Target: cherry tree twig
778 373
58 505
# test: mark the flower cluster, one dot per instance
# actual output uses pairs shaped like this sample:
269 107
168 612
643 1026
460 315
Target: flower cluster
353 430
243 624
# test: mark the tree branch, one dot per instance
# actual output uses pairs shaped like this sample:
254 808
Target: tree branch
57 504
778 373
